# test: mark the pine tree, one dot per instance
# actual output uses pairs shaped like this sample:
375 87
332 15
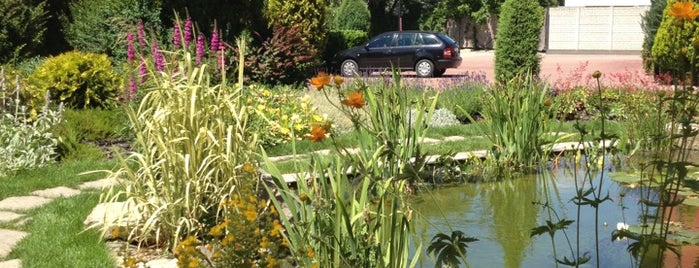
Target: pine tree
517 39
650 24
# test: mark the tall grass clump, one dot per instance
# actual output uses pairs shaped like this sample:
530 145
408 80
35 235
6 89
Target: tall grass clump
354 211
516 118
190 144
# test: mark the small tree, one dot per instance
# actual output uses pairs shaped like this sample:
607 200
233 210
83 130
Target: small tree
650 24
307 15
673 45
352 15
22 28
97 25
517 39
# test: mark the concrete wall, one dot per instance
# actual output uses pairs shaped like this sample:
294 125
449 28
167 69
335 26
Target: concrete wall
606 3
613 29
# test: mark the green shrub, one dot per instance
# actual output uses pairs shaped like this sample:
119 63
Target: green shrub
673 48
517 39
22 29
352 15
80 80
464 101
309 16
98 25
81 131
342 39
650 24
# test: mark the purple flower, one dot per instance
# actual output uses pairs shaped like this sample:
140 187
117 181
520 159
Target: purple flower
200 50
177 37
141 35
130 51
142 72
187 31
158 57
214 40
132 88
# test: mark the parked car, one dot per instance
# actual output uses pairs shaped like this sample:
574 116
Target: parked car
427 53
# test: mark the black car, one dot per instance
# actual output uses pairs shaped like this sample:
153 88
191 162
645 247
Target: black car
427 53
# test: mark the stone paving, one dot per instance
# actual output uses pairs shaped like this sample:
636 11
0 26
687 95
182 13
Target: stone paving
13 209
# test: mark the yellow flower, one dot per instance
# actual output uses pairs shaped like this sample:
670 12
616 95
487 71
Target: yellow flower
310 253
276 229
250 214
320 80
249 168
339 80
317 133
193 263
683 10
130 262
354 99
271 261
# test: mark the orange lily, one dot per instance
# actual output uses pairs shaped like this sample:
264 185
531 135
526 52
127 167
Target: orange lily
320 80
354 99
683 10
317 133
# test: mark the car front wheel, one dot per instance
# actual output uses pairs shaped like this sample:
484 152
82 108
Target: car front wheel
349 68
424 68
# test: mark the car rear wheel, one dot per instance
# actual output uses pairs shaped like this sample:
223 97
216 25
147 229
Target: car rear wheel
424 68
439 72
349 68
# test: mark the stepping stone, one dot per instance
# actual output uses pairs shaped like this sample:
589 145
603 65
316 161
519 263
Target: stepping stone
6 216
8 239
162 263
11 264
23 202
454 138
428 140
98 184
56 192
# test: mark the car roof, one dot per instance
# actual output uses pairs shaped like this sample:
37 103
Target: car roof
412 31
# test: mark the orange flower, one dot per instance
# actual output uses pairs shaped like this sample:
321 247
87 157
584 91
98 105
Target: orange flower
338 80
317 133
354 99
320 80
684 10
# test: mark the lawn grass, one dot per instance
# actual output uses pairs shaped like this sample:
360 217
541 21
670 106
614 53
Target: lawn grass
57 239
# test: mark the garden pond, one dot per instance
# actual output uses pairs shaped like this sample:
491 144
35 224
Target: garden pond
502 214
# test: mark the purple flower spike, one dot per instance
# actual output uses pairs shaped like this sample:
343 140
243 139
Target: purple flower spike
130 51
132 88
177 37
141 35
142 72
214 40
200 50
187 31
158 57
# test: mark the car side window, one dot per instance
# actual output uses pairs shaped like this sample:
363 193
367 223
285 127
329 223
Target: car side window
382 41
406 39
429 39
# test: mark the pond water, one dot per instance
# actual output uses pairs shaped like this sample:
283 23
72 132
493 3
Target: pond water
501 215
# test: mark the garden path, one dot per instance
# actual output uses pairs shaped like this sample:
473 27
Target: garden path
13 209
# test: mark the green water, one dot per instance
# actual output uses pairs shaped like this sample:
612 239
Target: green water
501 215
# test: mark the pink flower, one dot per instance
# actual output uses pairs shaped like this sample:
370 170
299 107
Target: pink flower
158 57
214 40
132 88
141 35
187 31
130 51
142 72
200 50
177 37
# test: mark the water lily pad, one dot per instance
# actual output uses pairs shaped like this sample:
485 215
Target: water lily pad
691 202
632 178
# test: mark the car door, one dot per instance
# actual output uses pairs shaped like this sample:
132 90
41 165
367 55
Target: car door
378 52
407 46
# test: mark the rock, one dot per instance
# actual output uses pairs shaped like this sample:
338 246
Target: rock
6 216
98 184
11 264
9 238
113 219
162 263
